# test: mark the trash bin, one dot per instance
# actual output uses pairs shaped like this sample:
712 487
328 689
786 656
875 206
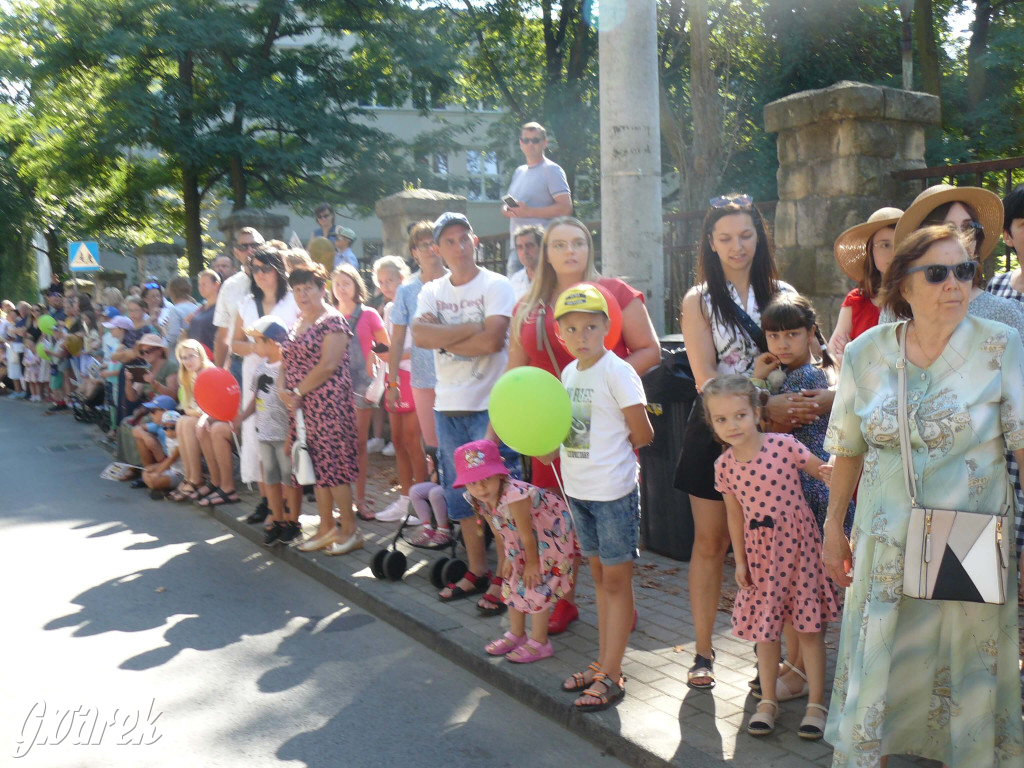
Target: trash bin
666 523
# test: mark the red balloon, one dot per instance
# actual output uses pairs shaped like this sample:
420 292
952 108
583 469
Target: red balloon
209 352
614 319
217 393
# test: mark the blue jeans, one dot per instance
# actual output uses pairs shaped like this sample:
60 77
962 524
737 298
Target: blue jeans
456 430
608 529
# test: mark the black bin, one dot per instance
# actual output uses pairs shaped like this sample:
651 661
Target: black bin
666 523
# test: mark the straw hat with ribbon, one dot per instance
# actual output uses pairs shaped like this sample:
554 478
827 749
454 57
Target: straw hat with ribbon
986 204
851 247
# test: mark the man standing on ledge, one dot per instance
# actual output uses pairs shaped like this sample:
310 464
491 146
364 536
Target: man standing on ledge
539 189
464 317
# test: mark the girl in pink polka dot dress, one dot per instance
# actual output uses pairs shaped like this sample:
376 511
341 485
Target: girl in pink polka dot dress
776 543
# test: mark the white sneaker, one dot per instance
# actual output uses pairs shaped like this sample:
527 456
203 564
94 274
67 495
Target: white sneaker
394 512
374 445
388 450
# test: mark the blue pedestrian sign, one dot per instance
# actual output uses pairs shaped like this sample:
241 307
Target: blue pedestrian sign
84 257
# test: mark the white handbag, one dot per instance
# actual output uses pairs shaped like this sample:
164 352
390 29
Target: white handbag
950 554
302 464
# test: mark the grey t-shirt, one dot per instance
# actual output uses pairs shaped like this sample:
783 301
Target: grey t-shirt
271 415
535 186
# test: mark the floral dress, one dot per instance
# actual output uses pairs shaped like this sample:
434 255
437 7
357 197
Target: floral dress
556 545
936 679
328 411
813 436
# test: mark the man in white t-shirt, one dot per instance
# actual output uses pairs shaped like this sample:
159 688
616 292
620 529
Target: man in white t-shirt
539 188
232 291
464 317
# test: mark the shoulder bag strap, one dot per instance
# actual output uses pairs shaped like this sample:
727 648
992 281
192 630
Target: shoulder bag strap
752 329
542 338
300 426
901 413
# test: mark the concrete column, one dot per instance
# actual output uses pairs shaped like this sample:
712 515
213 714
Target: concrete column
631 246
159 260
838 147
402 209
270 225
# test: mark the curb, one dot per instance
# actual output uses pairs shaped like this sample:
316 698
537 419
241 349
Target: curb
433 631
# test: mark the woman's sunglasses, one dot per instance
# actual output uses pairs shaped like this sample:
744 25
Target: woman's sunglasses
266 269
937 273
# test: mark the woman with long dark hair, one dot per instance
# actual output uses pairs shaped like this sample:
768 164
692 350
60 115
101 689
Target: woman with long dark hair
269 295
736 277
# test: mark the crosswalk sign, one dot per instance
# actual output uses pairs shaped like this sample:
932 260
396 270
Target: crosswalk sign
84 256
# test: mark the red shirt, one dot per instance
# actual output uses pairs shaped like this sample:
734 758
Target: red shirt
863 313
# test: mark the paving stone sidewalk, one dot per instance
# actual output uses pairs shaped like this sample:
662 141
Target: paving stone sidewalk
661 722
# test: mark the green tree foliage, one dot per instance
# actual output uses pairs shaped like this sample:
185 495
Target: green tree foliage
121 100
16 255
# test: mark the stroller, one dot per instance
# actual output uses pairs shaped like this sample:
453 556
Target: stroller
390 564
90 409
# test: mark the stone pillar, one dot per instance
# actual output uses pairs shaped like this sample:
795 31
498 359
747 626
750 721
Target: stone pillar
631 235
398 211
159 260
838 147
270 225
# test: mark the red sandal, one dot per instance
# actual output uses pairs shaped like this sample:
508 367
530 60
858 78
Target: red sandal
457 593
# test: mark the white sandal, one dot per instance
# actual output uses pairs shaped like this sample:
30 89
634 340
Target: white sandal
783 692
812 727
763 723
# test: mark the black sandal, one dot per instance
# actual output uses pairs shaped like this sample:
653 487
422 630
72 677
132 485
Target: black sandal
613 693
219 498
457 593
703 669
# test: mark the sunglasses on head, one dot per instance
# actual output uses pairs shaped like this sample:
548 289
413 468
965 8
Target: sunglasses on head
741 200
527 140
149 286
937 273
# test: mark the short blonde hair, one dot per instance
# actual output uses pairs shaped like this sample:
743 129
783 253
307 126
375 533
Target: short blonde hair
395 264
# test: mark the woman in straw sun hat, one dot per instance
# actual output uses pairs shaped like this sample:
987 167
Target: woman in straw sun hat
978 215
863 252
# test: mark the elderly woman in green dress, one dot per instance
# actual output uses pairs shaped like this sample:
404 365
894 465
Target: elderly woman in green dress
932 678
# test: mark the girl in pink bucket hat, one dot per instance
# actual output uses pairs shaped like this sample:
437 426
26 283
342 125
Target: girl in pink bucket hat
539 540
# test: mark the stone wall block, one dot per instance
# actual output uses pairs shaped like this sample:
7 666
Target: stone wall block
785 224
816 142
912 107
159 260
796 181
270 225
849 99
868 137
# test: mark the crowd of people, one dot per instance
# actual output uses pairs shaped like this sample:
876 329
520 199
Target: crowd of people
809 458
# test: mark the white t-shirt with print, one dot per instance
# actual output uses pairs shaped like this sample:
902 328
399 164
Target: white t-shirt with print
232 291
598 461
464 383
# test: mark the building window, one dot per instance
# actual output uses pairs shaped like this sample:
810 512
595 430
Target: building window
482 175
435 168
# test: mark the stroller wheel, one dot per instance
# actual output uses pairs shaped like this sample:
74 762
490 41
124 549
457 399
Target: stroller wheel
394 565
435 572
453 570
377 564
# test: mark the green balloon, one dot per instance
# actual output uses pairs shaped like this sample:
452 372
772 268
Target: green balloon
530 411
47 324
41 351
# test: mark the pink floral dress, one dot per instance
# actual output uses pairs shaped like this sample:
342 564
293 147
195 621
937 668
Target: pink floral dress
556 545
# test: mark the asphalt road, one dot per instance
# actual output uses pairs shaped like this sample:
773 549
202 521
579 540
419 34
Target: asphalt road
142 633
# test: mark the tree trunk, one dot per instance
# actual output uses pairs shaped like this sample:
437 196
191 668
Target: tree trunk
54 253
193 221
706 146
976 75
239 185
927 50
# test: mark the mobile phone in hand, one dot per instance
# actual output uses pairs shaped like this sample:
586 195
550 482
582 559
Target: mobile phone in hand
510 201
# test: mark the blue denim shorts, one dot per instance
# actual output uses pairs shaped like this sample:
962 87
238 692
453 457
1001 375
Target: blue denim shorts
454 430
609 529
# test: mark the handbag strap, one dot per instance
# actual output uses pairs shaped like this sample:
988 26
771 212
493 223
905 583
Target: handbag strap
902 330
542 338
752 329
300 426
